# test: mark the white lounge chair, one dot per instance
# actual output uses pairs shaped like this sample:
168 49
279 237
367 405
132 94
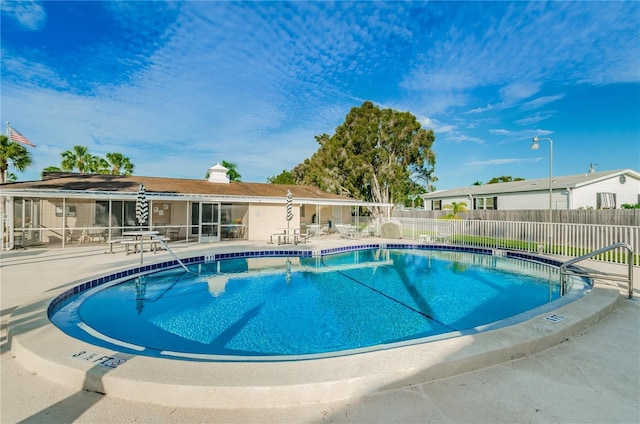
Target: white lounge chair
444 232
347 231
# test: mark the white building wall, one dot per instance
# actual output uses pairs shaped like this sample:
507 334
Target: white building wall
533 200
265 220
586 197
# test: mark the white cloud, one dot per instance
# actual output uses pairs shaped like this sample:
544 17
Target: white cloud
480 109
462 138
501 132
30 15
254 82
535 118
436 126
543 132
542 101
519 90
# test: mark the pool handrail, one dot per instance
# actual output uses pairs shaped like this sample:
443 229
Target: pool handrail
163 244
564 270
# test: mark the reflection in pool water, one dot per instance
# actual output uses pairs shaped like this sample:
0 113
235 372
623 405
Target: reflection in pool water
307 305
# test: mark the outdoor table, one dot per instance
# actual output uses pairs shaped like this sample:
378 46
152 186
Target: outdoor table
139 236
285 235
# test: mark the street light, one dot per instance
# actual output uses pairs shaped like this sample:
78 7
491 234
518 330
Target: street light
536 146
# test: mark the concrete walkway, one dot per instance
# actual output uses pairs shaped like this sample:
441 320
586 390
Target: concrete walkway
593 377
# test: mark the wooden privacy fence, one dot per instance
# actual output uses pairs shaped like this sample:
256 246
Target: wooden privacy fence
538 237
572 216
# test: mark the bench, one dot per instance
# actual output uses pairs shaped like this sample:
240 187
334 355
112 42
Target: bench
279 235
116 241
284 238
152 243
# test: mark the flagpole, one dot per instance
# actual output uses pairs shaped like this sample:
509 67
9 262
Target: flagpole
6 171
3 208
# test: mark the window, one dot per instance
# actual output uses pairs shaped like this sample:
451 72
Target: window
436 205
69 211
605 200
122 213
102 214
233 214
488 203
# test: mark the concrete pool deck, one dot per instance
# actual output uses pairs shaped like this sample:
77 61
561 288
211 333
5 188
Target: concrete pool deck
593 376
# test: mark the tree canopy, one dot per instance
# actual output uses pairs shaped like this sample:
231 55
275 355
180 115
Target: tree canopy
79 158
285 177
377 155
119 164
504 179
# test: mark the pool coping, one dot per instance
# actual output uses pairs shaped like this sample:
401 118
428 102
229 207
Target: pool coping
41 347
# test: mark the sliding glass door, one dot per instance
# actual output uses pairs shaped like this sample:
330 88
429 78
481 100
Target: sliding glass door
207 218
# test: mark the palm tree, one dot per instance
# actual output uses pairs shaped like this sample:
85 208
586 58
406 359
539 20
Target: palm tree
99 165
232 172
12 153
119 164
78 158
455 208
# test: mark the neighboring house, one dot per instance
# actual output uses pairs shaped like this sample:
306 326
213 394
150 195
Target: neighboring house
69 208
596 190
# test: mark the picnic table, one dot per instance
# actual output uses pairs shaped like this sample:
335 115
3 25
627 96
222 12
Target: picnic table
138 239
287 235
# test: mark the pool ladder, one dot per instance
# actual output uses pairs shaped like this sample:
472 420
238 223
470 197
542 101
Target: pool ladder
566 271
163 244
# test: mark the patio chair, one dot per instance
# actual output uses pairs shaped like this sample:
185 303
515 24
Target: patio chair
369 230
173 233
347 232
444 232
304 237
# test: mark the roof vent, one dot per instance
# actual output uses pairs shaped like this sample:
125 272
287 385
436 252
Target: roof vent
218 174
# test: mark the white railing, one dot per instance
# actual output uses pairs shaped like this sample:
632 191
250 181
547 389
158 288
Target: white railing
566 270
555 238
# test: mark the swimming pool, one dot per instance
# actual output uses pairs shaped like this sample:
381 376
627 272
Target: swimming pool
282 305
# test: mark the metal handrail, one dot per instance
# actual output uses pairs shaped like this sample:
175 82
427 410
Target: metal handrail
618 277
166 246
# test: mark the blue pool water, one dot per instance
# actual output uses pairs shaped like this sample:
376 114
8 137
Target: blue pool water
306 305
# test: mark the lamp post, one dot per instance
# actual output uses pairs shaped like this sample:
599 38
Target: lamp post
536 146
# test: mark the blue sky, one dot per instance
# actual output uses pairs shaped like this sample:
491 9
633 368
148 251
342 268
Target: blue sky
180 86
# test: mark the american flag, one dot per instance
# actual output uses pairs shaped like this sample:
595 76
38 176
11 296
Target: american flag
19 138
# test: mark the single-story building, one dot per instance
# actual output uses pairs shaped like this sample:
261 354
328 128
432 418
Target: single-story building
596 190
74 208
